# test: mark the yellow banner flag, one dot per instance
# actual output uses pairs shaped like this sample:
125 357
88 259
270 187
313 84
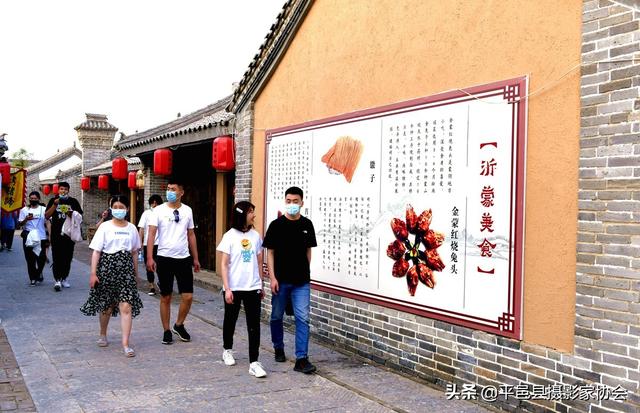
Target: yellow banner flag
14 193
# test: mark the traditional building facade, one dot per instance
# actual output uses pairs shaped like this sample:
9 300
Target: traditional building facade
207 192
580 311
63 166
96 136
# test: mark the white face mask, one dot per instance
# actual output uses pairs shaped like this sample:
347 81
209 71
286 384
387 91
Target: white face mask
292 209
118 213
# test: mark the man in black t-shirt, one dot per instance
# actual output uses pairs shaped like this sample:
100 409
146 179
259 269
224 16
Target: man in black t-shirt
289 240
61 245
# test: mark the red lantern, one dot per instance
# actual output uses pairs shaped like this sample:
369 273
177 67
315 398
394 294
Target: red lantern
56 188
46 189
119 168
5 170
103 182
162 162
222 156
85 183
131 180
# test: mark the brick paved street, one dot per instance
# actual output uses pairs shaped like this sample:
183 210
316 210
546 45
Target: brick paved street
14 395
64 370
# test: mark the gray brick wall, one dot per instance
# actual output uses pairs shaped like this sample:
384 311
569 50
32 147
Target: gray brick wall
608 278
153 184
244 149
607 328
96 147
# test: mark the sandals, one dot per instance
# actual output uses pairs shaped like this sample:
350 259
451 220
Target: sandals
102 342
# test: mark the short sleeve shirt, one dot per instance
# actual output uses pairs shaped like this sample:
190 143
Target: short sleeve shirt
289 240
144 224
172 229
110 238
38 221
58 217
243 249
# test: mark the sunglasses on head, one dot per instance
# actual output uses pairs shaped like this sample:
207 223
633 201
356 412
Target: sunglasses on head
176 215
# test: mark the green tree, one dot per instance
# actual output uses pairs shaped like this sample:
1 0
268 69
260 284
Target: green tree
20 158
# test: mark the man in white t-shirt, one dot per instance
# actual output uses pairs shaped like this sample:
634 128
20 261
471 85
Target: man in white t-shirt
143 225
173 224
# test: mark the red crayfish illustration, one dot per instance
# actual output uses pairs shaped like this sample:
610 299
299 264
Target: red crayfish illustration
410 260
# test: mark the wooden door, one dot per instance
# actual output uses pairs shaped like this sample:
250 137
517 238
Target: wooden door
192 165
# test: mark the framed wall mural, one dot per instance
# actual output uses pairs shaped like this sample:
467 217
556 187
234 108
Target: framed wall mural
419 205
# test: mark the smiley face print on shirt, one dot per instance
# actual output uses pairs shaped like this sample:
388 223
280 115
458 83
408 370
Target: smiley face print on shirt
247 250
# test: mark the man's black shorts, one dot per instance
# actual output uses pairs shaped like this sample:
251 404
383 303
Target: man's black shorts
180 268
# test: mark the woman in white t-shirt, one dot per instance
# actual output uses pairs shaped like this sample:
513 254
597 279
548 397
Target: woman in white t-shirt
33 220
114 266
241 249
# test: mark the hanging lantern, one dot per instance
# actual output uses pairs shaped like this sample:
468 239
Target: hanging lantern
140 179
103 182
85 183
56 188
5 170
131 180
46 189
119 168
222 156
162 162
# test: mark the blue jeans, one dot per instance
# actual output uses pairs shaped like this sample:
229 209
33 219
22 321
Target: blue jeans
300 297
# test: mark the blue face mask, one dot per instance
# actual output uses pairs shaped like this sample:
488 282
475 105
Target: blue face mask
64 196
172 196
119 213
292 209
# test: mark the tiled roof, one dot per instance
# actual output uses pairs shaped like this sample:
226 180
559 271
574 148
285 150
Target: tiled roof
207 117
280 35
96 122
57 158
133 162
75 170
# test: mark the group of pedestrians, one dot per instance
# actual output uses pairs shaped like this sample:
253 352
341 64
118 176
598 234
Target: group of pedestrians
165 236
288 240
43 226
114 263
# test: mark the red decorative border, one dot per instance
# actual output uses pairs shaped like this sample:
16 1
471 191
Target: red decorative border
512 90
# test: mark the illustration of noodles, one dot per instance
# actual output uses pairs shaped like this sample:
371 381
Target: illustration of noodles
344 156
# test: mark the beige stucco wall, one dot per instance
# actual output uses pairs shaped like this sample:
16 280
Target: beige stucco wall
360 54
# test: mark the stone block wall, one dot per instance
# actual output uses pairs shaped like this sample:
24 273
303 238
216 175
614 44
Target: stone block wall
608 272
244 149
94 202
153 184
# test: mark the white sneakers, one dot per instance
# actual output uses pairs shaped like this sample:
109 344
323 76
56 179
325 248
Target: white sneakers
256 369
227 357
66 284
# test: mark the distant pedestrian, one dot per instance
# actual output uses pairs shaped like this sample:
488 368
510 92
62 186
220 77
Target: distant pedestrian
8 224
59 208
114 265
34 237
143 225
173 224
241 252
288 241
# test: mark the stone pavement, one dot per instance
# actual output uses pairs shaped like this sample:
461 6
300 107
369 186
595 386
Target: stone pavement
14 395
64 370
